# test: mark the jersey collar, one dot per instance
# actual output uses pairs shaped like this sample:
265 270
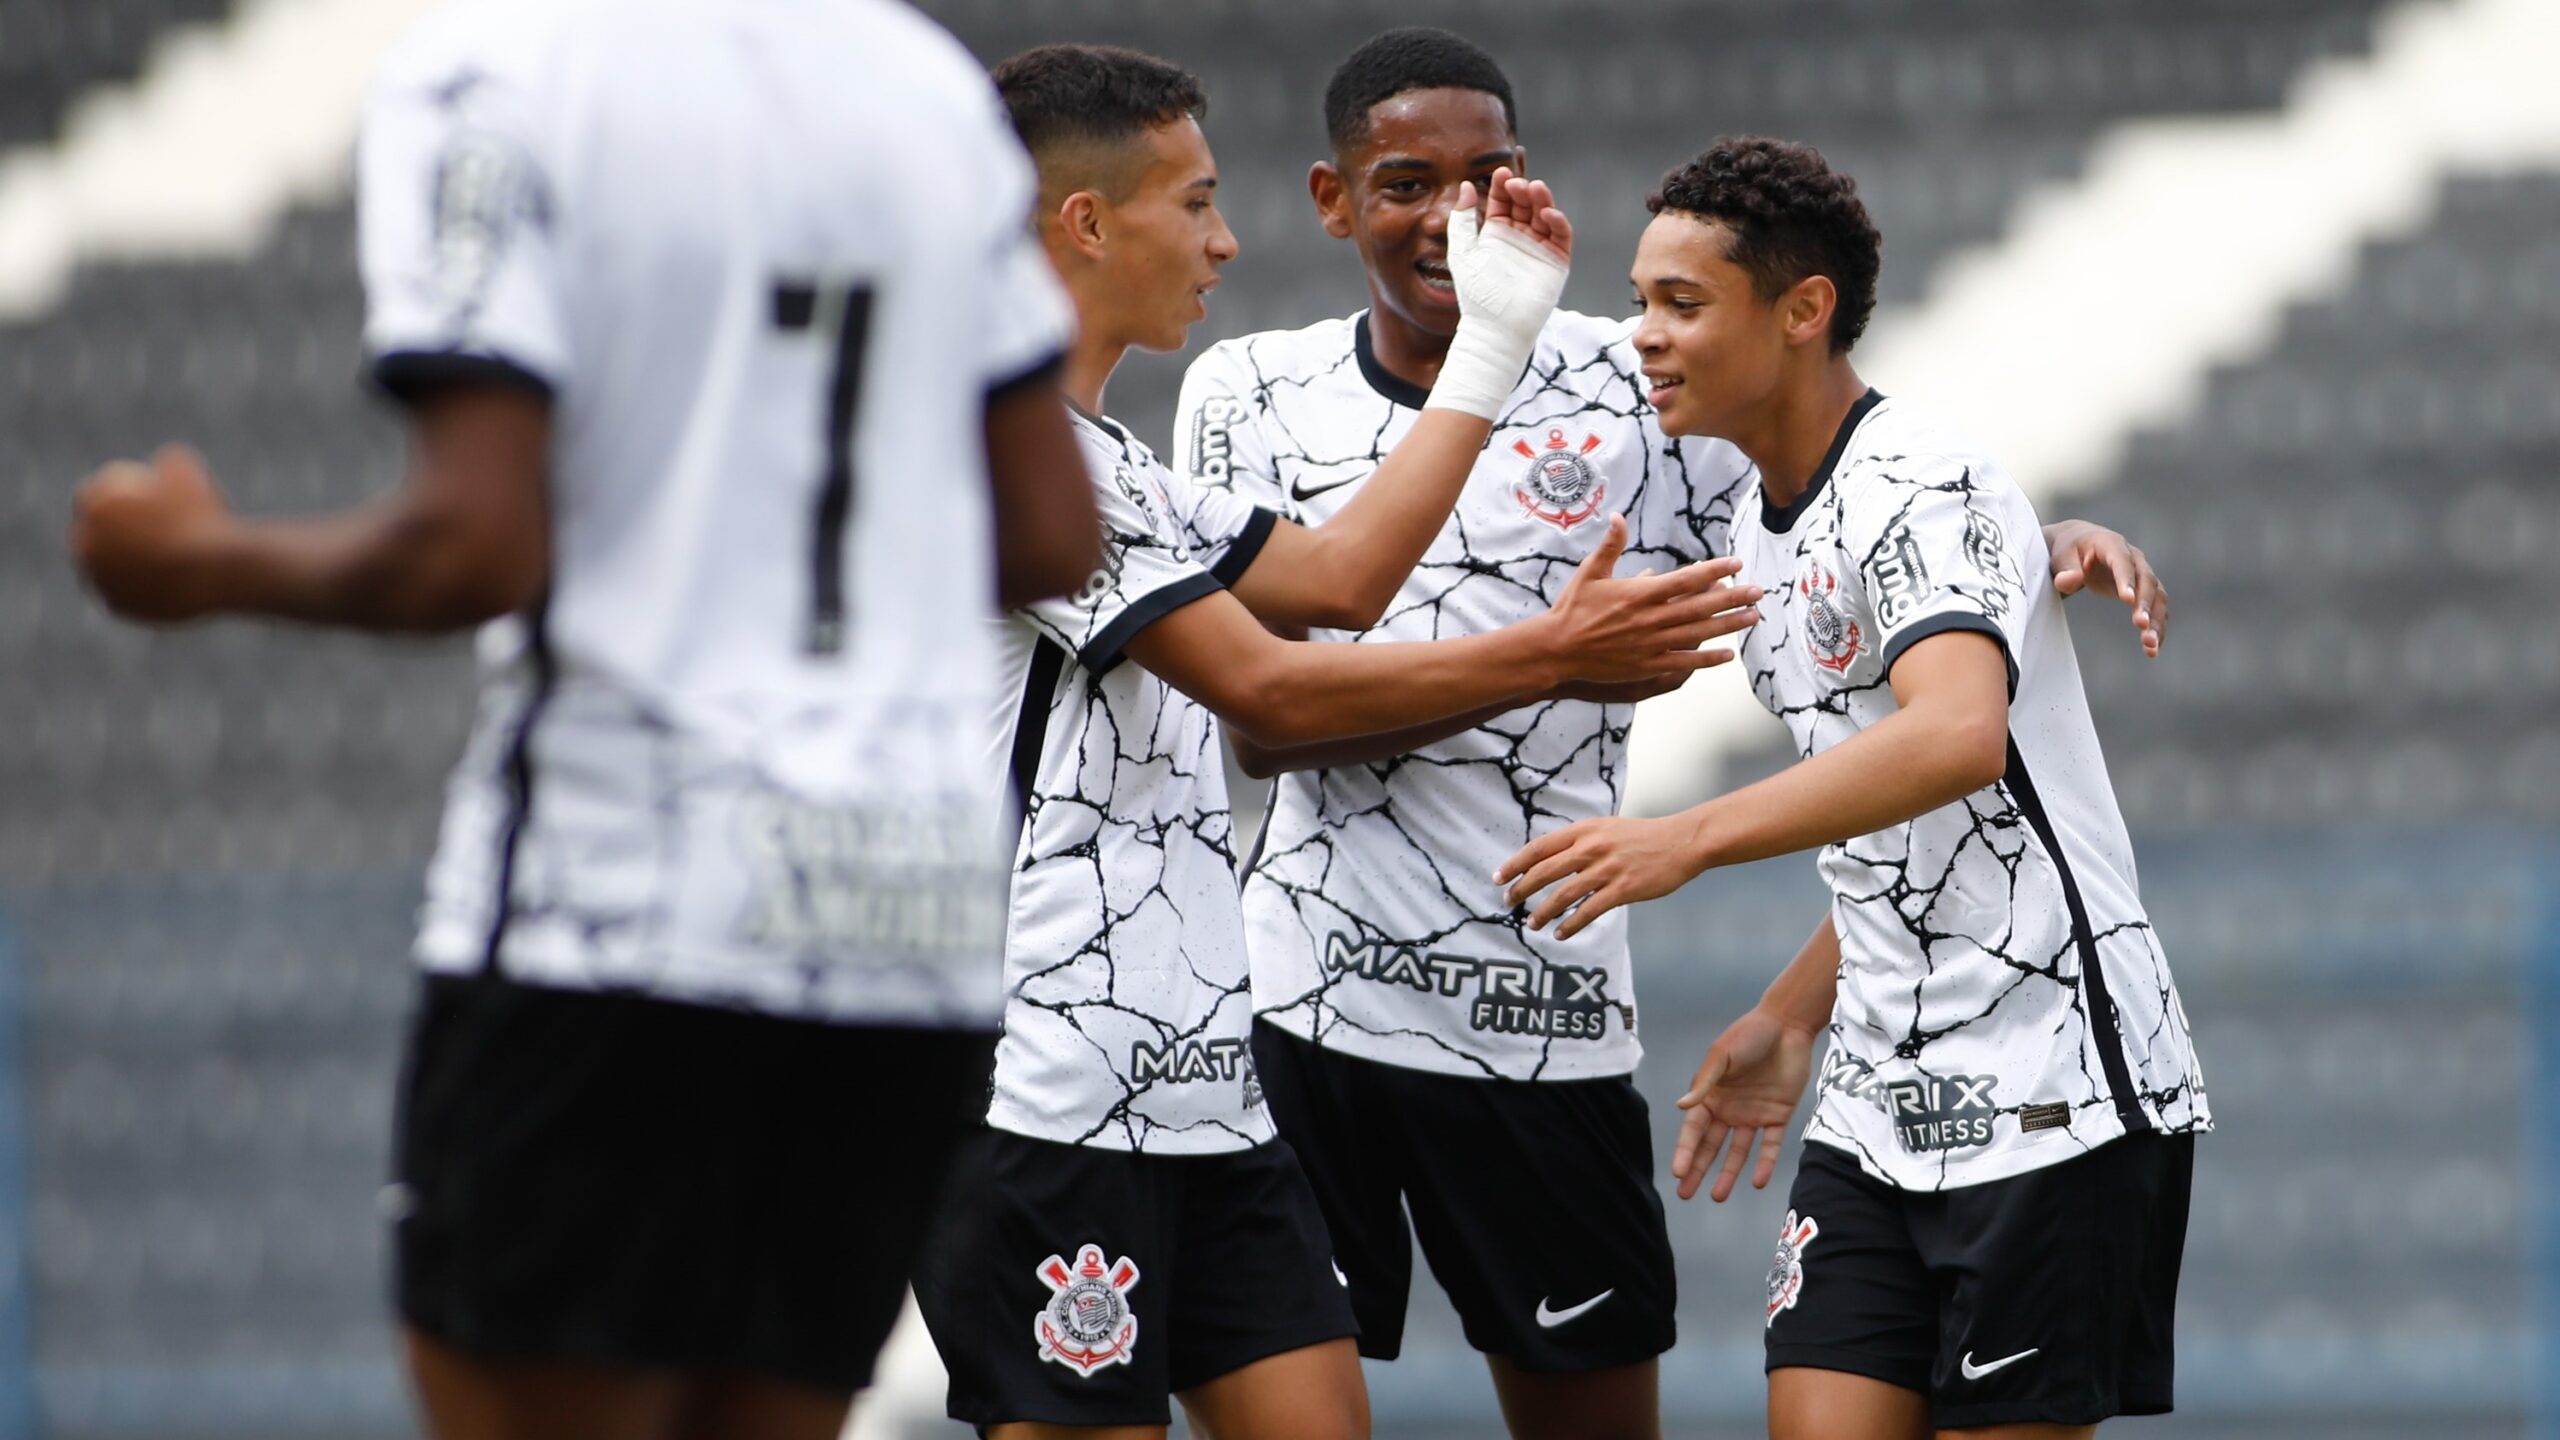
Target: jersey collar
1778 520
1394 387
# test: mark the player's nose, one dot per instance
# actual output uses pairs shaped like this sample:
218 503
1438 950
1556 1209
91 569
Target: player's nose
1223 245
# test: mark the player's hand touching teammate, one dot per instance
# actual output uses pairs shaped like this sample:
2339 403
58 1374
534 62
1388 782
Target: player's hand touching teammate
2086 556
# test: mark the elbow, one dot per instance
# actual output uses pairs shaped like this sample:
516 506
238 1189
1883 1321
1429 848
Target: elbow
1267 710
1977 751
432 575
1255 762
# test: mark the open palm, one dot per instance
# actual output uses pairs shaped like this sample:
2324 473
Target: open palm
1740 1101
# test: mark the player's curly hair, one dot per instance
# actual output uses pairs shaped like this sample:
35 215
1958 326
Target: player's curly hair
1093 98
1413 57
1791 215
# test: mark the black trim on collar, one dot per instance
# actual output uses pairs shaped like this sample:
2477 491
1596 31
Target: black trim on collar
1394 387
1778 520
1106 425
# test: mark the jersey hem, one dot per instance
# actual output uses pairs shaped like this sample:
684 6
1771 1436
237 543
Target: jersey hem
410 375
1102 652
1228 1142
1484 1068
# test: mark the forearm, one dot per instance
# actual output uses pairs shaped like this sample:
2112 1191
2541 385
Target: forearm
1906 765
379 566
1802 996
1361 556
1312 693
1264 761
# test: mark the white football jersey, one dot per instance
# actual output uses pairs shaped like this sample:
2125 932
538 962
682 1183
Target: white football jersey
735 755
1376 927
1127 1012
2003 1002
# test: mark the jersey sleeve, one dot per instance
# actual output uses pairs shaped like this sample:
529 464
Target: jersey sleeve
1218 442
1939 545
1028 319
1146 575
458 232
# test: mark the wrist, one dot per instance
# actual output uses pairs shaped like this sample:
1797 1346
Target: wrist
1483 366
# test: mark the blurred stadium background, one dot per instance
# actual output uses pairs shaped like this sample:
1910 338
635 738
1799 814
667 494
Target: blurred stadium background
2273 285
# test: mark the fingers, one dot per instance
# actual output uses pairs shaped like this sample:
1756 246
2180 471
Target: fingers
2067 583
1735 1155
1499 201
2150 605
1773 1138
1560 861
1573 890
1530 854
1603 558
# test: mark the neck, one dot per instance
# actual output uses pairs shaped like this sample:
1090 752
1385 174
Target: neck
1407 351
1090 361
1795 431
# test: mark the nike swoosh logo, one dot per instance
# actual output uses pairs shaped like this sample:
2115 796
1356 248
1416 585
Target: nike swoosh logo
1550 1319
1298 491
1976 1372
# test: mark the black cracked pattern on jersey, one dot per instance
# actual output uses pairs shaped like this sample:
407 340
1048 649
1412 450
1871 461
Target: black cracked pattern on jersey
1996 839
1519 756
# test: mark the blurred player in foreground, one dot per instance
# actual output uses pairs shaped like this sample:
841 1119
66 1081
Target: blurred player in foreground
1984 1237
1128 1229
1426 1054
704 385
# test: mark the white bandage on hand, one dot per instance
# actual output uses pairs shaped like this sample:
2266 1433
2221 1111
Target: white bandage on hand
1508 285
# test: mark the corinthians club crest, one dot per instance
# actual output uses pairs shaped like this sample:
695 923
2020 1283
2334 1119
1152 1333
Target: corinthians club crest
1786 1273
1087 1323
1830 634
1560 487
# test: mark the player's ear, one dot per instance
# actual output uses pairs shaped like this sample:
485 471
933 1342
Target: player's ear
1080 224
1805 310
1332 196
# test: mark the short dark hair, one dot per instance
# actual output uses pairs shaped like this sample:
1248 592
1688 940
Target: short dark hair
1791 216
1092 101
1415 57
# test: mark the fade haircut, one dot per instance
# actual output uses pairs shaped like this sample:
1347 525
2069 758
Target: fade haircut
1790 215
1415 57
1081 109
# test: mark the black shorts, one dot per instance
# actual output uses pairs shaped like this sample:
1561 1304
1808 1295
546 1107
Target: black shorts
1080 1286
2046 1297
1534 1202
642 1184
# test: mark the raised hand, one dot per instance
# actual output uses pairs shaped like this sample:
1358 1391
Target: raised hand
1740 1101
1508 255
136 528
1638 629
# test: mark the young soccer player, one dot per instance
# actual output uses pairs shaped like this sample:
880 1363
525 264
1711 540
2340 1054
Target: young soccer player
1985 1234
713 917
1426 1054
1128 1229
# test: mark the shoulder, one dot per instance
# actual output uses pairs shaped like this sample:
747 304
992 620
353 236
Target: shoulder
1572 333
1902 445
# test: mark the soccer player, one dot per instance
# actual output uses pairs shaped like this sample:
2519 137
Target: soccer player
1984 1236
1128 1228
702 382
1424 1052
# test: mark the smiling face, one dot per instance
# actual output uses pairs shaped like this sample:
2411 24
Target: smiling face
1391 193
1715 350
1164 242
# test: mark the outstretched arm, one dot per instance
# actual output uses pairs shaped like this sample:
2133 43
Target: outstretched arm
465 538
1949 739
1285 692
